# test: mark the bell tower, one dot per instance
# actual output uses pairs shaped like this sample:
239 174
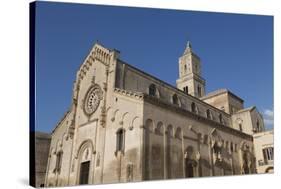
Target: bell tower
190 80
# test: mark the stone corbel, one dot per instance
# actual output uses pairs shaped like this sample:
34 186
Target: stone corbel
131 127
191 129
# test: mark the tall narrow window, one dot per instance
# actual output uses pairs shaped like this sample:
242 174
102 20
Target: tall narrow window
120 140
152 90
199 91
231 147
208 112
220 119
58 161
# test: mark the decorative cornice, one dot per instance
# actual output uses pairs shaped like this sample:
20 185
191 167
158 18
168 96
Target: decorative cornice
131 94
99 53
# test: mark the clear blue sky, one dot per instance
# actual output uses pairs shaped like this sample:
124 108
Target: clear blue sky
236 50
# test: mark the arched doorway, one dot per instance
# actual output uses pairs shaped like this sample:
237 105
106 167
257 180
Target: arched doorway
85 163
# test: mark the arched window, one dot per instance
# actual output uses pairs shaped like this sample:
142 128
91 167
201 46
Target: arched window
193 107
120 140
152 90
176 100
208 113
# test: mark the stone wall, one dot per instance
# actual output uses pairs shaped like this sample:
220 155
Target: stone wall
262 141
132 79
180 133
42 145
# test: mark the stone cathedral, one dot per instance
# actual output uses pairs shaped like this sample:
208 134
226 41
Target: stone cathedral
124 125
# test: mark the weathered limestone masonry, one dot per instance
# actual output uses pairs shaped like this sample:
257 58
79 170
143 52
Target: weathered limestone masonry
42 145
125 125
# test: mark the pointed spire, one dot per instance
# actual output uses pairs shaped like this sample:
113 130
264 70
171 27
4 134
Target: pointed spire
188 45
188 48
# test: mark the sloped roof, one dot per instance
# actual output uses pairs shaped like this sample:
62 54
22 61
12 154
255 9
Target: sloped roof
246 109
219 92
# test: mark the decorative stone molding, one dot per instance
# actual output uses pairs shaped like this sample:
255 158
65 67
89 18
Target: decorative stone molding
131 127
135 95
88 103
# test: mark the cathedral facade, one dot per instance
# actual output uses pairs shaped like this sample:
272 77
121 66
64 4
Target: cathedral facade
125 125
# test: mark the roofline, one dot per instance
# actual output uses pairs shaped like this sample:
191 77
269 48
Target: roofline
222 92
174 88
61 120
42 135
246 109
263 133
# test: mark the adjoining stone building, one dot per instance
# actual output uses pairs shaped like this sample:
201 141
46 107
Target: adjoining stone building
264 151
125 125
42 145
